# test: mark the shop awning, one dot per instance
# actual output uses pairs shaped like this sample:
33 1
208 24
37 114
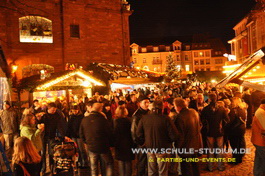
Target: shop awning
245 68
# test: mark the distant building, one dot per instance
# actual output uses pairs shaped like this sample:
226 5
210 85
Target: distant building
57 32
199 53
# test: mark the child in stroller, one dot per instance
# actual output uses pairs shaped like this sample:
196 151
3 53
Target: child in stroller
65 158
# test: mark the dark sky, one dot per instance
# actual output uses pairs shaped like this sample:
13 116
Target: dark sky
166 18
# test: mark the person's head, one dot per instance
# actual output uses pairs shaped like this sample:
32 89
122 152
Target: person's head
28 120
36 103
144 102
116 99
157 107
179 104
106 106
238 94
52 108
7 105
133 98
220 104
212 97
236 102
97 107
24 151
89 105
200 98
170 102
121 112
75 109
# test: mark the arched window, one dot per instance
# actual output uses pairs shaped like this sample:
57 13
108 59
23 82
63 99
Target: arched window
35 29
37 69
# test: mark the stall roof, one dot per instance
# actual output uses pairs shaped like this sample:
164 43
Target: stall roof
60 80
246 66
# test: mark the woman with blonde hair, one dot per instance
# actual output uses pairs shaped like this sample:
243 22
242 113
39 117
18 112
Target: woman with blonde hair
123 141
26 161
29 130
236 127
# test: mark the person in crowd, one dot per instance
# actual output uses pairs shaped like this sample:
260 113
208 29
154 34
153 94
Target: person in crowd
156 131
29 130
214 118
107 112
189 135
5 169
198 104
236 128
172 111
10 122
73 133
132 106
89 105
36 107
26 160
55 126
139 113
123 141
114 105
258 139
248 100
98 138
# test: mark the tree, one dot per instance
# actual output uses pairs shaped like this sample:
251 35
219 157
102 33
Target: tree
172 71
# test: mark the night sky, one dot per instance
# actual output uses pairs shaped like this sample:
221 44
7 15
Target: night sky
172 18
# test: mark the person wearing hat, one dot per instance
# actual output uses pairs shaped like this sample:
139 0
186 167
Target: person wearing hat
10 126
139 113
258 139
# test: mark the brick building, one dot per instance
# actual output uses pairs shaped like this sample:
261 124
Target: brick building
56 32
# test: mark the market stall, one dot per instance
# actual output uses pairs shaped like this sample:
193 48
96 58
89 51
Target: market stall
249 74
62 84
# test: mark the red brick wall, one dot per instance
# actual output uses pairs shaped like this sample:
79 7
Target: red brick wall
104 32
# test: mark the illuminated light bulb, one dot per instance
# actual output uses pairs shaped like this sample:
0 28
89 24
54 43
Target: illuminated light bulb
254 69
258 67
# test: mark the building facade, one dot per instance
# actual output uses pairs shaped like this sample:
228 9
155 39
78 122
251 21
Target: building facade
57 32
188 56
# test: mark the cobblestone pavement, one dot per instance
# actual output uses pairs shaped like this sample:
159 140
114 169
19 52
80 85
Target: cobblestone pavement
243 169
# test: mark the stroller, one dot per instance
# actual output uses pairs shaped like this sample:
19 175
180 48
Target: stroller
65 158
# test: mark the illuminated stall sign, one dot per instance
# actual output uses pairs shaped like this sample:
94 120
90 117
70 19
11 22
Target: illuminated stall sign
35 29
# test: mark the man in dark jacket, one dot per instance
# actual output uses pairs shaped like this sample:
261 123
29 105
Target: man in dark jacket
55 126
141 157
73 132
157 131
189 137
97 134
214 118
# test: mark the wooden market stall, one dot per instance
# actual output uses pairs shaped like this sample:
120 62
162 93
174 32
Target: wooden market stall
60 84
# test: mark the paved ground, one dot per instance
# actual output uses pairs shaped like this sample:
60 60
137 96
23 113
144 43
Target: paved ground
243 169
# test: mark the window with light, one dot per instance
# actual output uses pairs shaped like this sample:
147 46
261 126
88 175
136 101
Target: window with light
35 29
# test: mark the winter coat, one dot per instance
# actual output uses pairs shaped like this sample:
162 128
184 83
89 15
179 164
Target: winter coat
237 122
74 125
96 132
258 128
214 120
33 134
123 140
189 129
156 131
135 120
9 121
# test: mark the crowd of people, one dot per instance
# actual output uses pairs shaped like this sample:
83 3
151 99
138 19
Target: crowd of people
106 128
